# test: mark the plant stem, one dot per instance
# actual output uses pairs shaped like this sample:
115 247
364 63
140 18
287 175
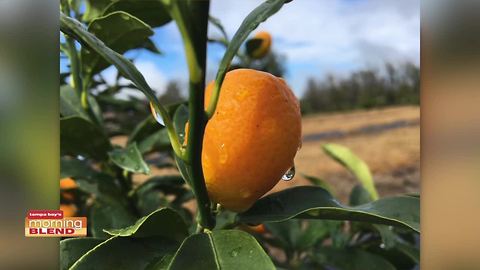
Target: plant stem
192 21
74 64
197 122
75 69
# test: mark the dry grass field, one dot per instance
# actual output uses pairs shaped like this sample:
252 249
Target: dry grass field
393 155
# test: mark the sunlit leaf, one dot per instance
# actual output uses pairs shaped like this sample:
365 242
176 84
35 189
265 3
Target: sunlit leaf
354 164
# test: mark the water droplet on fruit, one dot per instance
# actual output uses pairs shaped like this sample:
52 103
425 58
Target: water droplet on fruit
223 154
289 174
245 194
156 115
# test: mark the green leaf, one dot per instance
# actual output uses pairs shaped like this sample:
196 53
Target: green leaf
151 201
97 112
119 31
165 223
150 46
143 129
229 249
315 231
107 214
317 203
156 141
389 238
101 185
75 29
126 253
359 195
183 169
250 23
354 164
88 180
180 118
412 252
79 136
129 159
159 182
351 259
94 9
288 232
225 220
70 167
72 249
319 182
70 103
218 24
152 12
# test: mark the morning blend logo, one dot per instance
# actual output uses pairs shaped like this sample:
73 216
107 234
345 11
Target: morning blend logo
52 223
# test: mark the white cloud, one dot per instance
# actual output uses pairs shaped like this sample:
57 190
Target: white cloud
335 35
152 73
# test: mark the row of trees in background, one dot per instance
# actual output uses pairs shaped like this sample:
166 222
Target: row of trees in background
363 89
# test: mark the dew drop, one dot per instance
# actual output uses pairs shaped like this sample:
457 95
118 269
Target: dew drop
235 252
289 174
223 156
156 115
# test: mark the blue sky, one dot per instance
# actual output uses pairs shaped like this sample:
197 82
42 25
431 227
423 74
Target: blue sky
318 37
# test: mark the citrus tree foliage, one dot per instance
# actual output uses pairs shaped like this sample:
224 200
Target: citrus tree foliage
146 225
